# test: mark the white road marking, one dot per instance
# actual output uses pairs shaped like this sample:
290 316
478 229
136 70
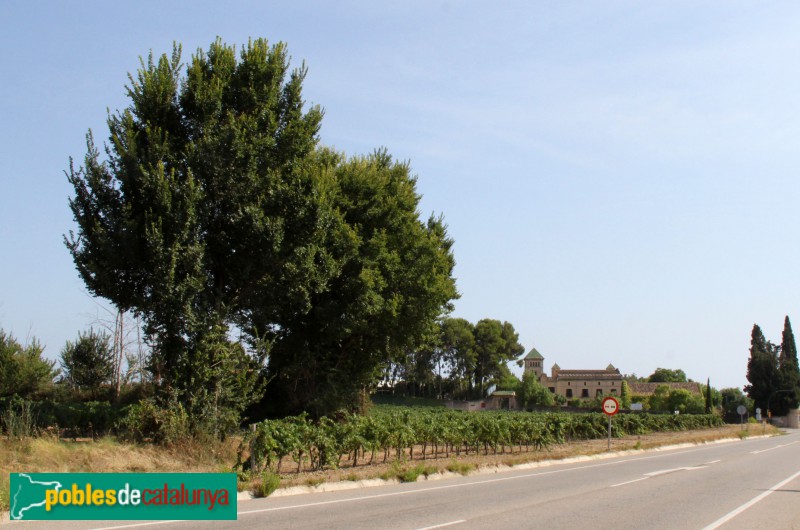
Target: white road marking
664 472
772 448
451 523
721 521
629 482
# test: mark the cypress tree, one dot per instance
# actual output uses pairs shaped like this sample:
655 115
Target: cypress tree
708 396
789 375
762 369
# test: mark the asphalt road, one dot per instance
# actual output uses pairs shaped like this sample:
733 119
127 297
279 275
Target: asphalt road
750 484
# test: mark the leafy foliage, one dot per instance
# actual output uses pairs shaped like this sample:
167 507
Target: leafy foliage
531 393
23 371
88 363
436 433
392 280
666 375
215 209
762 369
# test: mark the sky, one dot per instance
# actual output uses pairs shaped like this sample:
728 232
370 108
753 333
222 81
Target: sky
620 178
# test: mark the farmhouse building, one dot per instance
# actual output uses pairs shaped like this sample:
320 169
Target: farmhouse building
571 384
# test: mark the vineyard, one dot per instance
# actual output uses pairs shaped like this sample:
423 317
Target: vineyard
413 433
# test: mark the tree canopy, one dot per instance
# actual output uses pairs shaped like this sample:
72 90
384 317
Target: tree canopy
666 375
214 209
23 371
88 363
762 369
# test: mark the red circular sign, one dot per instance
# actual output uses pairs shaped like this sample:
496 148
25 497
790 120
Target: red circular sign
610 406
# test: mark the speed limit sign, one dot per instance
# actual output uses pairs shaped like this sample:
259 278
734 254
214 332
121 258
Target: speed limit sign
610 406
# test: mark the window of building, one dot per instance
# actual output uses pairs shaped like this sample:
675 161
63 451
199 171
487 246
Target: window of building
613 391
585 393
599 392
552 389
569 392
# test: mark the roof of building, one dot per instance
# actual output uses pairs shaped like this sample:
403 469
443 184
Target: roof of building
534 354
589 374
647 389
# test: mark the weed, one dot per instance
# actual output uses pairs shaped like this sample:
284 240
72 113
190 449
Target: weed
352 477
412 474
315 481
462 468
743 434
269 483
19 420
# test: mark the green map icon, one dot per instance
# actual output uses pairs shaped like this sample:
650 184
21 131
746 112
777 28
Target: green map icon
28 495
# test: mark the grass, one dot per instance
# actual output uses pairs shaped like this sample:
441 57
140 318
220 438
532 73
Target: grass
51 455
462 468
267 485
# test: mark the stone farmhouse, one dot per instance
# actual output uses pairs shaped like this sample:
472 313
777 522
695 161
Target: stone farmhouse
573 384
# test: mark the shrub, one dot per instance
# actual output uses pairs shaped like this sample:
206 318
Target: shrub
269 483
18 419
147 421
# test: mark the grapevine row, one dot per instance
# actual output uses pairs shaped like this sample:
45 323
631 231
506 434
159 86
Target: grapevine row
435 433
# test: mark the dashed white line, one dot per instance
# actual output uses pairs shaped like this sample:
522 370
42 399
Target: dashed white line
772 448
629 482
451 523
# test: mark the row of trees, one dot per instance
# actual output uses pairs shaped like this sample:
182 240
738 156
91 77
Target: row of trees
459 359
213 213
773 372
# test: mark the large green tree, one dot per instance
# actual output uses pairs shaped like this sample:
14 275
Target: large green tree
788 372
496 343
762 369
198 205
214 208
457 342
391 279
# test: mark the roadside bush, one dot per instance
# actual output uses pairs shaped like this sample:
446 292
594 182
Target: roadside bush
146 421
18 419
269 483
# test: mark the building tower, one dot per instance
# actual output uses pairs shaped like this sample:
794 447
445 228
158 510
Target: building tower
534 362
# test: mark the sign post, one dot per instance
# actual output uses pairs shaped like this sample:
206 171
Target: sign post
610 407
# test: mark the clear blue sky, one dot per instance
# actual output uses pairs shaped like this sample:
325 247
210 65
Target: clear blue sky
620 178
